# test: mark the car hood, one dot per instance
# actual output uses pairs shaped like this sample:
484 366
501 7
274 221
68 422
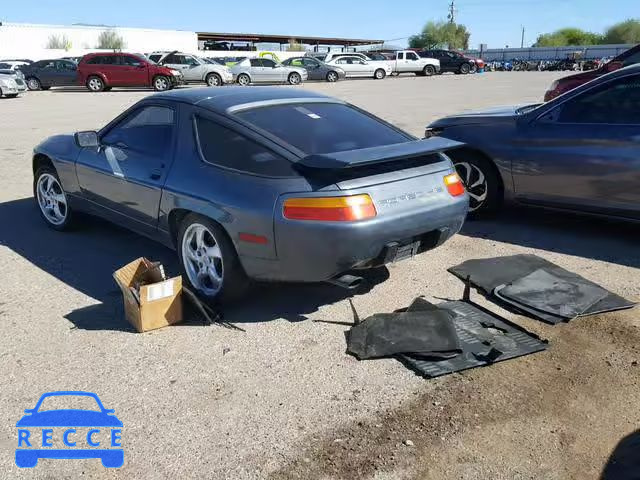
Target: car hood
493 115
69 418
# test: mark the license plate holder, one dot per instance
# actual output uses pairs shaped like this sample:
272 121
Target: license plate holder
406 251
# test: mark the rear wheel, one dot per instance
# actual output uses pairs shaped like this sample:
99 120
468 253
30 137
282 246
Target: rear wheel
481 182
95 84
294 79
213 80
379 74
332 77
429 70
33 83
243 79
161 83
209 259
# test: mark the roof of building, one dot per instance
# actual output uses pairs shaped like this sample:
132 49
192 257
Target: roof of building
261 38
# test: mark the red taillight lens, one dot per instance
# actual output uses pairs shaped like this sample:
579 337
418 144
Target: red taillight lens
455 187
330 209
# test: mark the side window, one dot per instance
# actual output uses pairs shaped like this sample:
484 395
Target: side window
226 148
148 130
308 62
49 65
616 102
190 60
109 60
155 57
268 63
173 59
401 56
131 61
412 56
91 61
255 62
632 59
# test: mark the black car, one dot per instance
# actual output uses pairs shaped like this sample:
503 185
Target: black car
451 61
316 69
45 74
578 152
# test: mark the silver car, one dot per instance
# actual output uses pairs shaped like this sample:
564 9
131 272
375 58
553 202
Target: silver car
355 66
265 70
17 77
194 69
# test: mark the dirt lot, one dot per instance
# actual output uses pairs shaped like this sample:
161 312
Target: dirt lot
283 400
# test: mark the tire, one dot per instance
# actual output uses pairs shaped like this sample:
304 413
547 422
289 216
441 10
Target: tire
161 83
45 88
224 278
332 77
379 74
294 79
33 84
95 84
213 80
464 68
107 89
46 184
481 181
244 79
429 70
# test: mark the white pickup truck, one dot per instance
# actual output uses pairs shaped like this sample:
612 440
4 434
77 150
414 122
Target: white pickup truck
404 61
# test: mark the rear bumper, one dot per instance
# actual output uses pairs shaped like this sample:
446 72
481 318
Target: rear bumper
318 251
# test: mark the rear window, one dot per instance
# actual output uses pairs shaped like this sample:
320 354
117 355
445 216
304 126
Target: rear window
323 127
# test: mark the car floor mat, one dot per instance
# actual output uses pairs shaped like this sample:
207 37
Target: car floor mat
488 274
544 291
423 330
485 339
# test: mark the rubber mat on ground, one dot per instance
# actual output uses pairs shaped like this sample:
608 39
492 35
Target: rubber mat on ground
484 338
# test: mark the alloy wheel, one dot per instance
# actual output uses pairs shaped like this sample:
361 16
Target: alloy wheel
33 84
95 84
202 259
244 80
332 77
161 84
51 199
213 80
294 79
475 182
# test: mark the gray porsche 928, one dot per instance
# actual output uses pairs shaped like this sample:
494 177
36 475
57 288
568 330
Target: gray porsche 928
265 183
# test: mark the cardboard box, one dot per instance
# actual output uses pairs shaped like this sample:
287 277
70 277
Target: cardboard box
160 302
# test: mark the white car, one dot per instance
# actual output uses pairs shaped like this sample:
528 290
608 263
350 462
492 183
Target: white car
354 66
8 86
193 68
265 70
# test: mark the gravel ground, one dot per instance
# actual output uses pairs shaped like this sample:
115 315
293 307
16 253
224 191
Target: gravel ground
283 400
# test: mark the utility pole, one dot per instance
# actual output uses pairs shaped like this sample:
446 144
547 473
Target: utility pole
452 12
522 41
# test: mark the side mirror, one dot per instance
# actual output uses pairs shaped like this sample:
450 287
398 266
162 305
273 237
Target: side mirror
87 139
613 66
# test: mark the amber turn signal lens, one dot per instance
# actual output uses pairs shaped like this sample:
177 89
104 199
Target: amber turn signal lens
330 209
455 187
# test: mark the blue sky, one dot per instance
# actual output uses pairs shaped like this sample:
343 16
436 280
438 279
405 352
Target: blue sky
495 22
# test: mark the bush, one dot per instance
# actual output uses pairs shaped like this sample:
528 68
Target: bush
59 42
110 40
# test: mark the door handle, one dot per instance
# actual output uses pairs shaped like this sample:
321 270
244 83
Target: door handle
156 174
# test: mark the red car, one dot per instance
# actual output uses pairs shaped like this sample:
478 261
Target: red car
565 84
102 71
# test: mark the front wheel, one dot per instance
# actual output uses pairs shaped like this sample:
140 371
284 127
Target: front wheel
481 182
95 84
294 79
464 68
213 80
33 84
209 259
332 77
161 83
379 74
429 70
51 198
243 79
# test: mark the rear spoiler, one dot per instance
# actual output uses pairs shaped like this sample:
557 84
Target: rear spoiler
383 154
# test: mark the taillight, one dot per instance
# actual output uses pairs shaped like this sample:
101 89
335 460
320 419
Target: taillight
330 209
454 185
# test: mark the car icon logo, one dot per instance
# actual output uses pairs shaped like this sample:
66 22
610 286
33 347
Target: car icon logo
69 433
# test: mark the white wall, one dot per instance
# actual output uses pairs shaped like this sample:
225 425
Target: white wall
30 41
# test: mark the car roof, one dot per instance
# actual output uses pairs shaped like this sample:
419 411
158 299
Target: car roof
224 98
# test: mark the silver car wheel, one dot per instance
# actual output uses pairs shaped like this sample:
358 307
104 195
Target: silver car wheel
244 79
51 199
332 77
379 74
295 78
95 84
161 84
475 182
213 80
33 84
202 259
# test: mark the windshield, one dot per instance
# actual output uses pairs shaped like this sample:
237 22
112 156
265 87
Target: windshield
527 108
66 402
323 127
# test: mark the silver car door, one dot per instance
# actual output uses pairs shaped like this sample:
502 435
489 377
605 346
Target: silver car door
192 70
271 72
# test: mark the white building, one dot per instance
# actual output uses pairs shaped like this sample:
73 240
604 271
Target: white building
20 40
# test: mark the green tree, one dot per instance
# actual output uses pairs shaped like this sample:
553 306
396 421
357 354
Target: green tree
568 36
623 32
440 35
110 40
59 42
